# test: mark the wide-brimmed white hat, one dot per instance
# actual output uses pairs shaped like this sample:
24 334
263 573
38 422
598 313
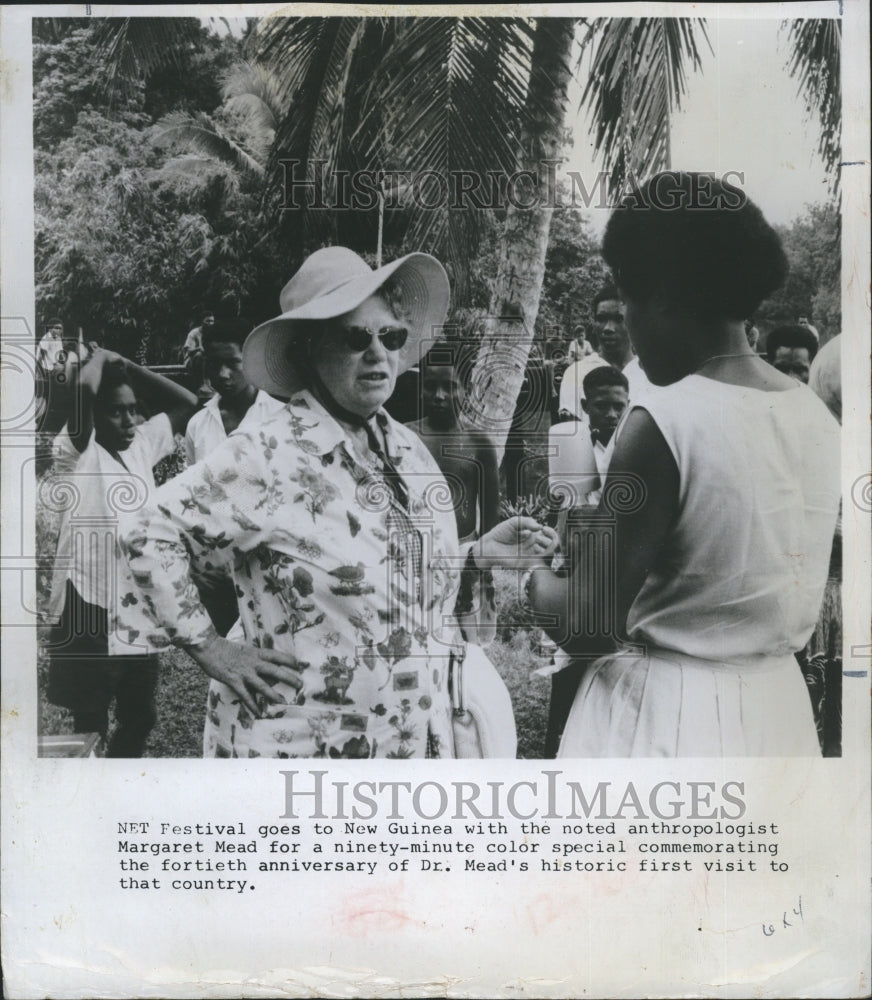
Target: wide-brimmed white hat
332 282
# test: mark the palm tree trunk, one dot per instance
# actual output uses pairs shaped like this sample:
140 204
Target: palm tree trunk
499 369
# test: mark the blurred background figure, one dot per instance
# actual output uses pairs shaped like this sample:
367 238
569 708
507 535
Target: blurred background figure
579 347
804 321
51 345
825 377
558 360
59 354
192 358
752 332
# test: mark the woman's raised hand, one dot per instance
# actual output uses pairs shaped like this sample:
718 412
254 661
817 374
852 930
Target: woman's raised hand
247 670
517 542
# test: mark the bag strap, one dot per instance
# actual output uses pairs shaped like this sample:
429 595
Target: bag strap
455 678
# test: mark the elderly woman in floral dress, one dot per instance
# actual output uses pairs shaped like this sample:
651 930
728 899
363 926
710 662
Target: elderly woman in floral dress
339 530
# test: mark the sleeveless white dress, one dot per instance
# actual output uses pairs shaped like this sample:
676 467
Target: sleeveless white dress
735 590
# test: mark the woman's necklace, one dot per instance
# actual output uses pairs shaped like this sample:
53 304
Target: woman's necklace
723 357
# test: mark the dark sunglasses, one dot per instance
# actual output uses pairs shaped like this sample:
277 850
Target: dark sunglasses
358 338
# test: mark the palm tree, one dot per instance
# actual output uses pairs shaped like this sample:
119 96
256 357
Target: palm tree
399 95
508 334
637 79
133 47
459 94
245 137
816 61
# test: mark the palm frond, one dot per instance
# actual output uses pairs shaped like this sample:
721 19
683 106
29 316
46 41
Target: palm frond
133 47
200 134
816 51
401 94
467 118
254 91
638 77
313 59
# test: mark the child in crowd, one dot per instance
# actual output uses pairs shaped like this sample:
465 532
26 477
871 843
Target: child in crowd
606 397
106 458
237 403
466 457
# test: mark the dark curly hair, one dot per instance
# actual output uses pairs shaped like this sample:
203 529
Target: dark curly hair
699 240
606 294
113 377
451 354
603 377
227 330
791 336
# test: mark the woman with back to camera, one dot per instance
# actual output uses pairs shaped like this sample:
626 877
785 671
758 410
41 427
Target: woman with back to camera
339 529
720 566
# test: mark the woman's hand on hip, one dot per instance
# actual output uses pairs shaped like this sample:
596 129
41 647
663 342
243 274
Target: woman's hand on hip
247 670
519 541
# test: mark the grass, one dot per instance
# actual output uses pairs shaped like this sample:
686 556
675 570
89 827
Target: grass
516 661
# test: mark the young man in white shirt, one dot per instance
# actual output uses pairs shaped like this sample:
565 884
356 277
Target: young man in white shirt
104 460
236 404
615 350
51 346
606 397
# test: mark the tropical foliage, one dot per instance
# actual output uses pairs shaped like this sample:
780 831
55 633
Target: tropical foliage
814 283
637 77
816 61
160 146
132 241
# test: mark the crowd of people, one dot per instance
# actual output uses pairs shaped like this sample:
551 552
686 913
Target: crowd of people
323 563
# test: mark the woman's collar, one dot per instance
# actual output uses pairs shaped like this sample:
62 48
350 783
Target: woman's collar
324 435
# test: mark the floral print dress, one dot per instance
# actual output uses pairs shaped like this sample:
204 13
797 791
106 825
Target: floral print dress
328 567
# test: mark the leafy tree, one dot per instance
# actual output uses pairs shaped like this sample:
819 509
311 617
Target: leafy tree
813 287
574 273
132 246
67 79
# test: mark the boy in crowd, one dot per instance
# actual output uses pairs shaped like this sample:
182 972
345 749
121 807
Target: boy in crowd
605 401
466 457
579 462
106 457
236 403
583 464
791 349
